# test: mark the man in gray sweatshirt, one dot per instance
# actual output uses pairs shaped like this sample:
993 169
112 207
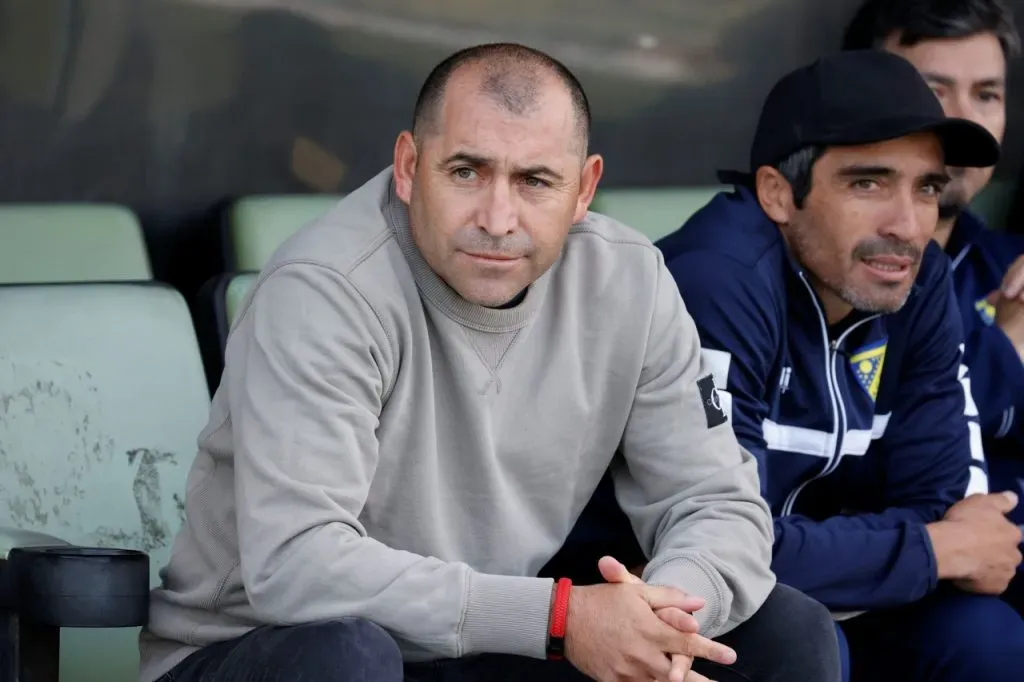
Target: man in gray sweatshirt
422 391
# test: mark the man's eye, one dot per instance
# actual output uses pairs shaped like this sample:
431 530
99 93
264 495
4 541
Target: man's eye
534 182
865 184
464 173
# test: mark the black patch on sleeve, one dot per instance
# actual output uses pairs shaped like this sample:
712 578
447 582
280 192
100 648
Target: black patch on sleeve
712 402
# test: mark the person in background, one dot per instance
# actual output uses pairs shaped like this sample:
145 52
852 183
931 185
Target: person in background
962 48
421 392
826 312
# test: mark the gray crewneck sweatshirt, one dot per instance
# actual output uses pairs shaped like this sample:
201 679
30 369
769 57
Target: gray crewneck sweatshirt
381 448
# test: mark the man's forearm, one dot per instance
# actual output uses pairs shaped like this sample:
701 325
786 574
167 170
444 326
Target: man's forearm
862 561
953 558
443 608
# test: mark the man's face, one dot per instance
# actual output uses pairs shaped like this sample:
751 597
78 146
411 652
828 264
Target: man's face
866 222
969 77
492 194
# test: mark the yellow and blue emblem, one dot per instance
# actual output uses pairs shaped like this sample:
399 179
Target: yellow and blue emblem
867 363
986 310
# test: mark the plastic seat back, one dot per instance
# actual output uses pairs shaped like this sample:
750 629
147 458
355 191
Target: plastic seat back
102 397
257 225
71 243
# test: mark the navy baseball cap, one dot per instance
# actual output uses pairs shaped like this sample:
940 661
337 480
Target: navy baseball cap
859 97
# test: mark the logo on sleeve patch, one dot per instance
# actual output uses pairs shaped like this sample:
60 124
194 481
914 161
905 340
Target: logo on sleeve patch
712 402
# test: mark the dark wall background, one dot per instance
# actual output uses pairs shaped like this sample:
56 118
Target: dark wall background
174 107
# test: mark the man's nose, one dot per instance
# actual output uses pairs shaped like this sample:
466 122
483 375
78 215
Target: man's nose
499 215
909 222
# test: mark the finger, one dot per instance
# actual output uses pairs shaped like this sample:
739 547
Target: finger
1013 282
1005 501
613 571
697 677
1013 286
679 619
709 650
993 298
698 646
665 597
652 664
680 668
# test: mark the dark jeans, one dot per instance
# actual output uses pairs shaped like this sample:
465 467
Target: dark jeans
790 638
949 636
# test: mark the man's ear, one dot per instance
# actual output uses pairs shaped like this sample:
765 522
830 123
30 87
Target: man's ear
775 195
405 165
593 167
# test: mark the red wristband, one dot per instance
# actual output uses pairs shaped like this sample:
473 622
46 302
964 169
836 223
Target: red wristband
559 616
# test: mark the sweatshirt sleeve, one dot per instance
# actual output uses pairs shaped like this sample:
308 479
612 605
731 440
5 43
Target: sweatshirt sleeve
307 366
688 488
997 379
860 560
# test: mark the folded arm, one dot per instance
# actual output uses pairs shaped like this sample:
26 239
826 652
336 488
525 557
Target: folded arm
689 489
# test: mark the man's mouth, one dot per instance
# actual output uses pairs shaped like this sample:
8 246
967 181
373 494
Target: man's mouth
888 267
495 260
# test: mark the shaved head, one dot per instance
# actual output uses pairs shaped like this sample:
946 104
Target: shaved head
512 76
495 170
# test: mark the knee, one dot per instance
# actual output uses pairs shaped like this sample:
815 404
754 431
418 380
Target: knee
360 649
803 632
984 638
810 620
964 636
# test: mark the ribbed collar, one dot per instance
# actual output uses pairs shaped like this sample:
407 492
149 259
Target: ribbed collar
437 291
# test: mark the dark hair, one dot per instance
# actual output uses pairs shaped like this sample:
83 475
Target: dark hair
917 20
511 80
798 169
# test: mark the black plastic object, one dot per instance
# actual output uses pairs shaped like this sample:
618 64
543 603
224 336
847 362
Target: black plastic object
79 587
47 584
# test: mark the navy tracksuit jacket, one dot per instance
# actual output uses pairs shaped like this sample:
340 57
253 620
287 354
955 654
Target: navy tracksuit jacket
865 431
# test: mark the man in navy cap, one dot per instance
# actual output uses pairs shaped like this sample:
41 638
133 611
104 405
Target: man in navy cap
827 312
963 49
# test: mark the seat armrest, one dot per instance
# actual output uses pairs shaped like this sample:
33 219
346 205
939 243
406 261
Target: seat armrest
16 537
49 582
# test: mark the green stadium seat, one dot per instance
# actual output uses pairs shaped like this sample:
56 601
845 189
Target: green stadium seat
257 225
71 243
102 396
655 212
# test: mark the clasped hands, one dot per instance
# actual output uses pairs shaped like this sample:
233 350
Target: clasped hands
626 631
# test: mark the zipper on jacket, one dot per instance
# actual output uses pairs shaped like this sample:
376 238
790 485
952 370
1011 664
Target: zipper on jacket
839 417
